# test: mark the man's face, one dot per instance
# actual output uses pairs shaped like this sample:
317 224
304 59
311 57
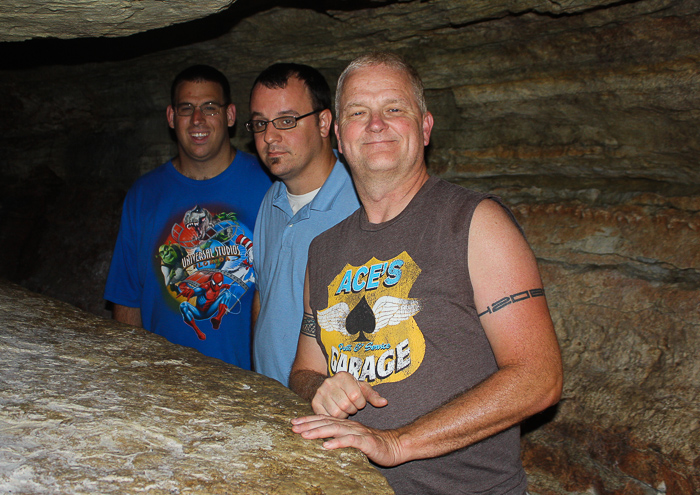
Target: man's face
380 127
288 153
201 137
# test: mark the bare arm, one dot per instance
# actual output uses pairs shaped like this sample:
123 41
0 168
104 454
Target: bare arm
255 309
125 314
529 378
338 396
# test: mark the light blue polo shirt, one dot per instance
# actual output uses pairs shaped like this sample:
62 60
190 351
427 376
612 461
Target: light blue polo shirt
280 249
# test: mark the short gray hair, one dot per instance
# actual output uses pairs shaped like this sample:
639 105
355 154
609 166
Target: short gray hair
387 59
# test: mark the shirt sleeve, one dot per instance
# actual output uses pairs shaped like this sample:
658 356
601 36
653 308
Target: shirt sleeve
123 282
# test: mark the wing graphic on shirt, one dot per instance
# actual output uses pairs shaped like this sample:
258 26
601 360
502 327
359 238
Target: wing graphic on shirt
390 310
333 318
387 311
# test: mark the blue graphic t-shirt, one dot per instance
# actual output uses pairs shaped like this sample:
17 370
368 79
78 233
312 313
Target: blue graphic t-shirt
184 256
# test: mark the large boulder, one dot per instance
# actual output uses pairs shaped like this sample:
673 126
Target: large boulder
88 405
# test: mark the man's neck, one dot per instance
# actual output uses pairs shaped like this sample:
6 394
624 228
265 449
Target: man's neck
315 174
384 200
204 170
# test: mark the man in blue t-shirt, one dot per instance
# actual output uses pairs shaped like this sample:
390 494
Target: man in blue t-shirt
291 123
182 265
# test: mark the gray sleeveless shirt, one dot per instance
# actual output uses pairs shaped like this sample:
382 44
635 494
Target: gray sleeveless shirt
395 307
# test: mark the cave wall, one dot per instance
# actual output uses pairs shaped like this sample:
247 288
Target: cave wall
582 115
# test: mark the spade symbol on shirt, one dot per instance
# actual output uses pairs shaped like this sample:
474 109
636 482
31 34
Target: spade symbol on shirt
361 321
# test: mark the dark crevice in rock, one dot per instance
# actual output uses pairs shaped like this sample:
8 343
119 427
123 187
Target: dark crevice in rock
51 51
59 236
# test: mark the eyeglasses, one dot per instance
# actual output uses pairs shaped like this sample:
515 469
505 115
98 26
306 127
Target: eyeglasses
208 109
282 123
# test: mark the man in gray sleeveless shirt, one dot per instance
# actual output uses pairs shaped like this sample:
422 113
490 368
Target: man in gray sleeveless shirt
426 336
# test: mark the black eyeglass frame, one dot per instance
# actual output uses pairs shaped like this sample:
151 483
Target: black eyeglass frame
193 107
249 125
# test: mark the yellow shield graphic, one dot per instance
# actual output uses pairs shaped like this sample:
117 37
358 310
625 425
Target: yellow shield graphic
368 328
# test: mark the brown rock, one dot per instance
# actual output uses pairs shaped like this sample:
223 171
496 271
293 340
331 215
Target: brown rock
92 406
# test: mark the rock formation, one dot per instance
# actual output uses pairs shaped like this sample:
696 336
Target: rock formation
88 405
26 19
583 115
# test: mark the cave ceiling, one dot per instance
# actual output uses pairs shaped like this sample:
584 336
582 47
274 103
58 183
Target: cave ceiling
27 19
22 20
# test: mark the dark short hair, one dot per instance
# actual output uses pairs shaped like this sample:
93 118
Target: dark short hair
201 73
277 76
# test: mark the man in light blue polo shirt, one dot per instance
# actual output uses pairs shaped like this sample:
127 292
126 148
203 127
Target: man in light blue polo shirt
291 122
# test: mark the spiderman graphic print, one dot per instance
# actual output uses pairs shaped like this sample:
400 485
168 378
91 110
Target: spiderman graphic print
206 265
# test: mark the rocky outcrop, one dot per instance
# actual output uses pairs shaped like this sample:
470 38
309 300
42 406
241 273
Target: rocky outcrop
92 406
627 313
25 19
582 115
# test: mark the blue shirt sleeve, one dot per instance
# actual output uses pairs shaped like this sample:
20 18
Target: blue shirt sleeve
123 285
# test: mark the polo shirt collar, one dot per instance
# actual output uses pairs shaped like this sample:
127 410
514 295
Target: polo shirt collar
323 201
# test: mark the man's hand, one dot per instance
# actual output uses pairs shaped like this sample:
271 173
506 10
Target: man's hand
342 395
381 446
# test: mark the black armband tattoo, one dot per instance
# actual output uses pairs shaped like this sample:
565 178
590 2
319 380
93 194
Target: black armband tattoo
513 298
308 326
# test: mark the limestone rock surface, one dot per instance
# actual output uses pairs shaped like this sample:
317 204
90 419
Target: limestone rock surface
88 405
25 19
627 319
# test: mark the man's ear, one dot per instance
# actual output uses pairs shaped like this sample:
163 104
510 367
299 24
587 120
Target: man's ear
337 138
325 122
170 114
231 114
427 127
